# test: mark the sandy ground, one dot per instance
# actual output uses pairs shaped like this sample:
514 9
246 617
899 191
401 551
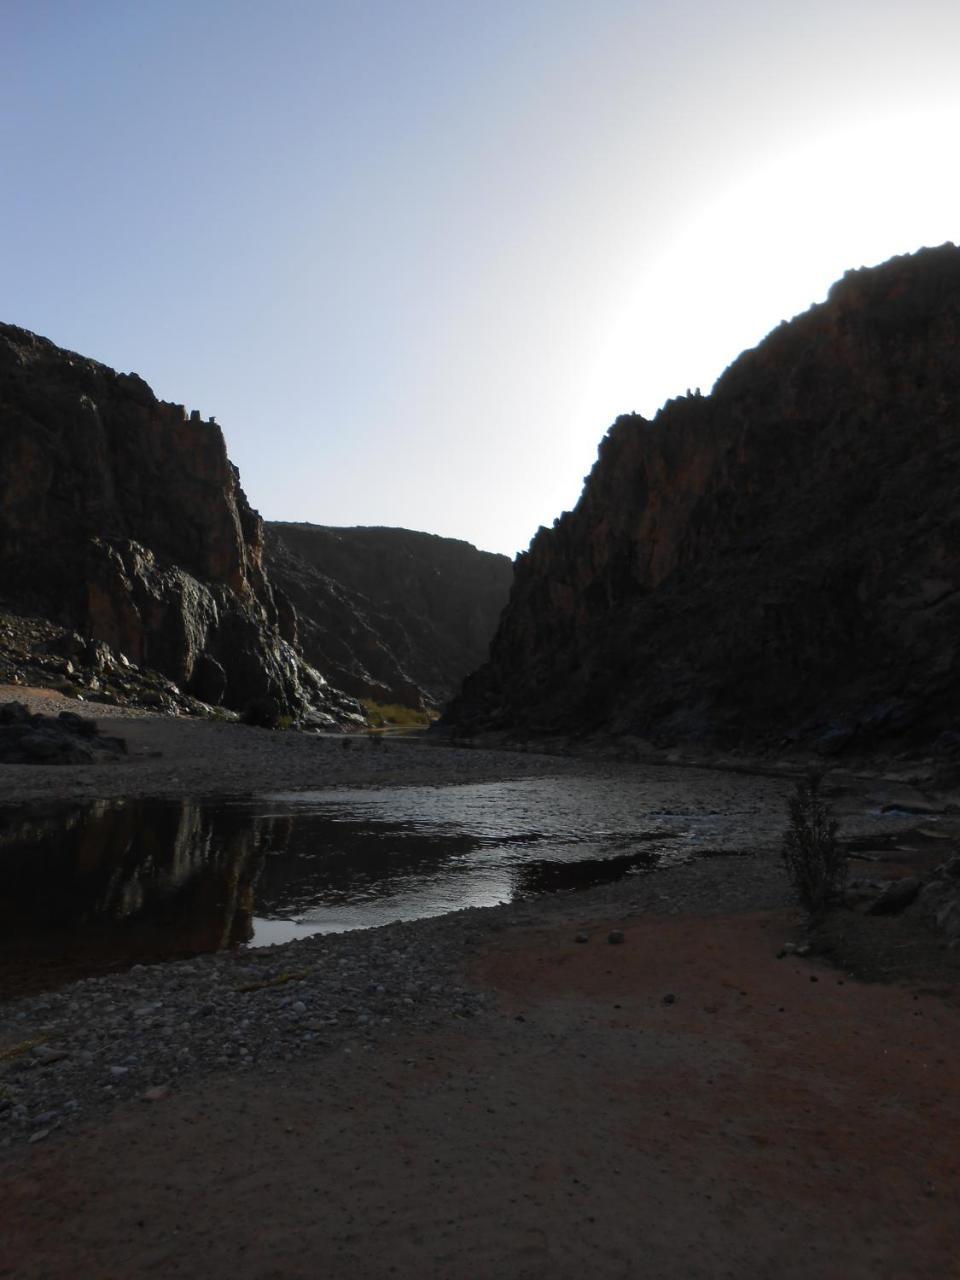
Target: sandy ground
775 1118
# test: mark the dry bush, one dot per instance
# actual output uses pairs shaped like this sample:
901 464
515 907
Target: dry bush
815 861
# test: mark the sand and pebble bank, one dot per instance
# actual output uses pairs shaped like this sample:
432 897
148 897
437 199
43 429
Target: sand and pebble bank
501 1091
72 1051
120 1035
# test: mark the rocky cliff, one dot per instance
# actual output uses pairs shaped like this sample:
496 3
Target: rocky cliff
389 614
775 563
122 517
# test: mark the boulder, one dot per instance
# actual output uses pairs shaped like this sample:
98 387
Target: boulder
896 896
65 739
939 900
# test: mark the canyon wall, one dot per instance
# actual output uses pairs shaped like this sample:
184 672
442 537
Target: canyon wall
776 563
122 517
389 614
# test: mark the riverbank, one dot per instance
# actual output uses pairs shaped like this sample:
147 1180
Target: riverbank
495 1092
173 756
679 1103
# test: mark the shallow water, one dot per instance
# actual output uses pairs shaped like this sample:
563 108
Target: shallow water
91 886
357 858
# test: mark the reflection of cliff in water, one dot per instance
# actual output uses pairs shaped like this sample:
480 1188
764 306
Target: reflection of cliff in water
92 887
533 878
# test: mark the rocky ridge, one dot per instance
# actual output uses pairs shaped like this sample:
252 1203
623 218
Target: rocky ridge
392 615
773 566
122 519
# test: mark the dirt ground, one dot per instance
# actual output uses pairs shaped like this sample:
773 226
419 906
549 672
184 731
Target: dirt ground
773 1119
684 1104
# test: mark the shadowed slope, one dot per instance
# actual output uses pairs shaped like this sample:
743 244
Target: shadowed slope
778 560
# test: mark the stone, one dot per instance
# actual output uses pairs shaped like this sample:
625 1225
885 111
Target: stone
46 1055
52 740
896 896
615 936
939 899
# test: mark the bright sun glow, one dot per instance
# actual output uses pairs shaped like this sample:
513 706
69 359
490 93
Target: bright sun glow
770 246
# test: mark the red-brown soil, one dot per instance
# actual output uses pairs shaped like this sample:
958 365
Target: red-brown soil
776 1119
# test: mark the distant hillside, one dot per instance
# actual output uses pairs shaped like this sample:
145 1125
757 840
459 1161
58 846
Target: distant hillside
389 614
775 563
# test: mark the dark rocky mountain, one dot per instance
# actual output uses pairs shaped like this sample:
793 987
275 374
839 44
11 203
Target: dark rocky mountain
389 614
775 563
122 518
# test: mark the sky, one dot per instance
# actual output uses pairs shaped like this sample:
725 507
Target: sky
417 256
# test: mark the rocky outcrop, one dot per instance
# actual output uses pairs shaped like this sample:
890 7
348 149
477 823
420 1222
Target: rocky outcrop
776 563
389 614
122 517
62 739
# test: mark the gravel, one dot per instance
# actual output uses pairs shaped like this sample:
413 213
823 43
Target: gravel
137 1034
130 1034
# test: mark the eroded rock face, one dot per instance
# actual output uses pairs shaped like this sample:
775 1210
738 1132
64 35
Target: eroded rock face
389 614
122 517
778 562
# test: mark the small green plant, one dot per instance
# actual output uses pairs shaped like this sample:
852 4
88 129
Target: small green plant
382 714
815 861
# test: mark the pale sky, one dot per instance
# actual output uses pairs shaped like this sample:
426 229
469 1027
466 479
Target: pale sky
417 256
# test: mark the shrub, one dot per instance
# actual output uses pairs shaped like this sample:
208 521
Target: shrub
815 861
381 714
262 712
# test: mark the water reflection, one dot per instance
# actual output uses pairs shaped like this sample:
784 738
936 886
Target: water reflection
90 887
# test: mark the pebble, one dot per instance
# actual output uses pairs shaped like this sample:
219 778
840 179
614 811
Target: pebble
126 1035
353 990
45 1055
